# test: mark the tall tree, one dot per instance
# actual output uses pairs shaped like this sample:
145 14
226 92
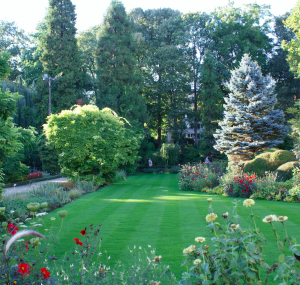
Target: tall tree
210 100
12 41
120 82
250 123
287 86
196 43
164 62
59 55
88 43
292 46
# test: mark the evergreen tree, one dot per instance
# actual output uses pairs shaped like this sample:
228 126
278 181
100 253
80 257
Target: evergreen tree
211 100
120 82
59 55
250 123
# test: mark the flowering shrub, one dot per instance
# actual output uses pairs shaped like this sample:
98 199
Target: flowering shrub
198 176
34 175
234 255
241 185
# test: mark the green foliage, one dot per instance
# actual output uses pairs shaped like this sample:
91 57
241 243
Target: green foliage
59 55
119 80
4 66
268 161
48 155
287 87
92 144
12 42
285 171
189 153
164 63
211 100
167 155
120 175
292 46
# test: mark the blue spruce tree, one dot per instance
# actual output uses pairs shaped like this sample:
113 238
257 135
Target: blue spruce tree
250 124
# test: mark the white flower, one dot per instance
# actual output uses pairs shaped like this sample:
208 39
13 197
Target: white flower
189 249
52 219
140 247
270 219
234 227
12 211
108 257
200 239
41 214
197 261
38 225
23 226
281 219
211 217
71 265
149 245
19 240
209 200
28 219
248 202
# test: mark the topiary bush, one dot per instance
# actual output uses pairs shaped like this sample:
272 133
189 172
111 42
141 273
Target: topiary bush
268 161
285 171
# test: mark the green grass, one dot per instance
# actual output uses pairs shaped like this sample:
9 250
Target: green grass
150 209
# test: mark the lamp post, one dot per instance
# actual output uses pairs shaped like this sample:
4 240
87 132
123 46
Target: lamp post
50 81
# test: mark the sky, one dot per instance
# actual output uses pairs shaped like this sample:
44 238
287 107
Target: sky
28 13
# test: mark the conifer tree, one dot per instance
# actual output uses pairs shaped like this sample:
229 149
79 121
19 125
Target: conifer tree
211 101
59 55
120 82
250 123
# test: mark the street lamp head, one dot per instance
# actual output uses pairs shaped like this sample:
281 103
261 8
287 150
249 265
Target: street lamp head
45 77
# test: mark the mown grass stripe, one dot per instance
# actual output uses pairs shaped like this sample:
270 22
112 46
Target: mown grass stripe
150 209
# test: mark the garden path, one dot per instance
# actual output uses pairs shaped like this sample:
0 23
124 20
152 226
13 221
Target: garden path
28 187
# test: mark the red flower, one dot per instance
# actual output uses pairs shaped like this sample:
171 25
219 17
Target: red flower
243 191
24 268
26 245
78 241
281 187
12 229
83 232
230 191
45 272
201 172
250 181
206 186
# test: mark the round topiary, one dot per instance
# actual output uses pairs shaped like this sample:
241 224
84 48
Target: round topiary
285 171
268 161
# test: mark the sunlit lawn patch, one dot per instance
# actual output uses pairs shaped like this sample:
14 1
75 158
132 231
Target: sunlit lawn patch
150 209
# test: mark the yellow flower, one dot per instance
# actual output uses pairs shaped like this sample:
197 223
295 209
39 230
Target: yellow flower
281 219
197 261
190 249
248 202
211 217
209 200
234 227
270 219
200 239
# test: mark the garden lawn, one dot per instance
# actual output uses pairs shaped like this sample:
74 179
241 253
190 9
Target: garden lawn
149 210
